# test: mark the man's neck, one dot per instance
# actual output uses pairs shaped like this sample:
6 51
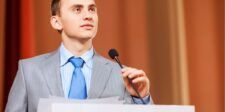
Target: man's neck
77 46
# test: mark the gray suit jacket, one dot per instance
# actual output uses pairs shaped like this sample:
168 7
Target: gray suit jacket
39 77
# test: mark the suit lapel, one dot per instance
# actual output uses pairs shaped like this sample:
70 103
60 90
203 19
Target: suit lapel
51 72
100 75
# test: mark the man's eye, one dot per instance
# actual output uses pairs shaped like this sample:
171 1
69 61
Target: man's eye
77 10
92 9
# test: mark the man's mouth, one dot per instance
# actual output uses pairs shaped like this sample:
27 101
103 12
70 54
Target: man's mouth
87 26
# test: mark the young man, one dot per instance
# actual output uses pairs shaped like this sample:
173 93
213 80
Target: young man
58 73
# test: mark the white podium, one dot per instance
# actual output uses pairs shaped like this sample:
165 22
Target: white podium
74 106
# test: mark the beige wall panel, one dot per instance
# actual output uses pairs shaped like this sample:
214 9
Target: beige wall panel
178 52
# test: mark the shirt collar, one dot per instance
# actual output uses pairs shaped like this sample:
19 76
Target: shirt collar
65 55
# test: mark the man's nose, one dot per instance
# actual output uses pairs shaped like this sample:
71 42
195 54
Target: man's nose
87 15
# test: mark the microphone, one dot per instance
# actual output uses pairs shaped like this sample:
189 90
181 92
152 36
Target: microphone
115 56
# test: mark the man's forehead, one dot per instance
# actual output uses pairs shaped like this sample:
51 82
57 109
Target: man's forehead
79 2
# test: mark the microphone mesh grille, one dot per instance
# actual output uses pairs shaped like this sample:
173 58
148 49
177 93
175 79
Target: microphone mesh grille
113 53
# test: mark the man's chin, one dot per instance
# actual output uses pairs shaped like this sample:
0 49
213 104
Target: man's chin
85 37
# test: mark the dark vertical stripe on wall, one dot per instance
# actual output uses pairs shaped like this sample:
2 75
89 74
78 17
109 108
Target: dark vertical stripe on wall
12 33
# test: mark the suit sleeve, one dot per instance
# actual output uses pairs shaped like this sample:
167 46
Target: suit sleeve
17 99
147 100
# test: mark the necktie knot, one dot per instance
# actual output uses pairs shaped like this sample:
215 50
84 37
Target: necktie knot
77 62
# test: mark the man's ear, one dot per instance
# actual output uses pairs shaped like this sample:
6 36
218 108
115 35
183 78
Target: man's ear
56 23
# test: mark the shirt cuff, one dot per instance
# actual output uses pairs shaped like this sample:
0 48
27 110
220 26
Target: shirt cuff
139 101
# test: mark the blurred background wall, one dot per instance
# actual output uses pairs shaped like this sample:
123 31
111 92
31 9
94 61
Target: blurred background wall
205 41
2 12
179 43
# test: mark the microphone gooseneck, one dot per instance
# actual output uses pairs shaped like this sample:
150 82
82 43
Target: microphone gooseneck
115 55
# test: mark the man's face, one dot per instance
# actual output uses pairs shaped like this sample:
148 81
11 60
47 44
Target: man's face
79 18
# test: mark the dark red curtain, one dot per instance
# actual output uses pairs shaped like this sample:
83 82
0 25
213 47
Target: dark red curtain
12 35
19 38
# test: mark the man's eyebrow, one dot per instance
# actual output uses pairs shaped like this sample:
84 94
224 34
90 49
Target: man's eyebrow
76 6
92 5
79 5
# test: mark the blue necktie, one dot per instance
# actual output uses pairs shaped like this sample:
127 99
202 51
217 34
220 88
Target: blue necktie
78 85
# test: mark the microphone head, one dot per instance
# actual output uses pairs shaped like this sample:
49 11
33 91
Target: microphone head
113 53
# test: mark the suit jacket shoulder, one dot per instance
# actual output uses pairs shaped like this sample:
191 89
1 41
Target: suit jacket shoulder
37 77
37 60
